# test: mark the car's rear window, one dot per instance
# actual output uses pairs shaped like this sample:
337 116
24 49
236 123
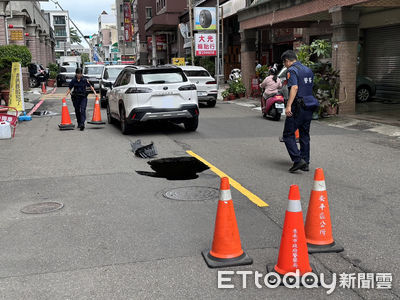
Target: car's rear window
67 69
93 70
159 76
198 73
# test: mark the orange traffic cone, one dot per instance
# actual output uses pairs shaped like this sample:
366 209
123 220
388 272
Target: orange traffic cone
44 88
66 123
318 222
226 248
293 253
297 134
96 119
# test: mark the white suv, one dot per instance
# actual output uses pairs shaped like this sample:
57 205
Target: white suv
153 93
206 85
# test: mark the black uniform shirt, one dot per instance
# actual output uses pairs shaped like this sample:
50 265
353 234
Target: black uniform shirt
79 86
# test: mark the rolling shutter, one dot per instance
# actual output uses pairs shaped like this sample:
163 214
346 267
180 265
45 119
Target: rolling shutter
382 58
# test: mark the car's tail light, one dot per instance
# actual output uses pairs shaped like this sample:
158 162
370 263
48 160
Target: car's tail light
189 87
135 90
211 82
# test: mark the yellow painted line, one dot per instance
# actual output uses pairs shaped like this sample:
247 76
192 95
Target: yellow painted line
253 198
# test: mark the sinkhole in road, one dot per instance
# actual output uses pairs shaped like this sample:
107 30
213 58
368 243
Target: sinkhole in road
175 168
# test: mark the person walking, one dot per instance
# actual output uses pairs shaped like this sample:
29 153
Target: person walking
299 110
78 87
271 85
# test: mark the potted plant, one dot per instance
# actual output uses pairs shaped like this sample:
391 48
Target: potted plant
53 72
5 77
240 89
232 90
52 79
225 95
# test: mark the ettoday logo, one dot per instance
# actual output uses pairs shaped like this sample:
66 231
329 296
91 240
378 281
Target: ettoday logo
272 280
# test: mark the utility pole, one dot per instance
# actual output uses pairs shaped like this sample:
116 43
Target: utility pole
191 31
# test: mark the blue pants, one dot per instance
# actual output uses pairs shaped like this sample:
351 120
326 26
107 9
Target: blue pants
301 120
80 110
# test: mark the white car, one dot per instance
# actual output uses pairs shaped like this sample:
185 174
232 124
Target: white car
206 85
108 77
143 94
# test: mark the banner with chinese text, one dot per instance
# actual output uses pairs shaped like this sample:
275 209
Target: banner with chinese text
205 44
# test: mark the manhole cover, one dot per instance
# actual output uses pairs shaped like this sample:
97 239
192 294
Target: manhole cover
192 193
42 208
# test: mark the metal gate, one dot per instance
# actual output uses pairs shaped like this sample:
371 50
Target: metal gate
382 49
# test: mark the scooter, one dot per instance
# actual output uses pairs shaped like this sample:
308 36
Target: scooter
235 75
274 107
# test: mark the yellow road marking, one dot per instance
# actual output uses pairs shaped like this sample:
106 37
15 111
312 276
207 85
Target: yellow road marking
253 198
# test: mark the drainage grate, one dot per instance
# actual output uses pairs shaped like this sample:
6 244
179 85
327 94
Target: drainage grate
42 208
192 193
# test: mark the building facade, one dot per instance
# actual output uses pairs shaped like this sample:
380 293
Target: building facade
30 27
365 36
126 45
59 21
107 35
162 31
143 11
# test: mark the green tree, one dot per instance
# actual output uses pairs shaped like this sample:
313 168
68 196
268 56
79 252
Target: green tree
75 38
85 57
18 53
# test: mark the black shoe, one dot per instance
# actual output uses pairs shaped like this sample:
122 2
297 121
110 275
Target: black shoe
297 166
82 127
306 168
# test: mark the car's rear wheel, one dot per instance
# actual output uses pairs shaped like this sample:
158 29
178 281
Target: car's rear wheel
110 119
363 94
123 122
211 103
33 82
191 124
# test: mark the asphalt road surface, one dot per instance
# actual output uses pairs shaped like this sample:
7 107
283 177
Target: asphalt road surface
119 237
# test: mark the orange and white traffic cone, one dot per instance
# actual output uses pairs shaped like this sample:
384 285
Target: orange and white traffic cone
296 134
96 119
318 222
293 254
44 88
226 250
66 123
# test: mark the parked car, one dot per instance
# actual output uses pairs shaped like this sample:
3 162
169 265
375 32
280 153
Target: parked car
143 94
37 74
206 85
110 73
93 74
365 87
67 73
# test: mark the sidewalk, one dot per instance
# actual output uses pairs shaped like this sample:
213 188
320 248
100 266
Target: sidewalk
369 116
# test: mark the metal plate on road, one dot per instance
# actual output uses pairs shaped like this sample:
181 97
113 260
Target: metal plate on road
42 208
192 193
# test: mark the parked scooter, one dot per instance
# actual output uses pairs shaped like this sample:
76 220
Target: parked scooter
235 75
274 107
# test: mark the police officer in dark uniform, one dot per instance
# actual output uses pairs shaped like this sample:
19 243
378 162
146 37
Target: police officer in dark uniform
79 96
299 110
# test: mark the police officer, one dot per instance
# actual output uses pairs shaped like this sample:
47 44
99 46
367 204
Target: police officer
299 110
79 96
